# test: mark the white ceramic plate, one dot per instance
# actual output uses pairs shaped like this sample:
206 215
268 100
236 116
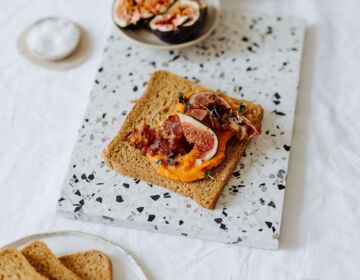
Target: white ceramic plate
67 242
146 38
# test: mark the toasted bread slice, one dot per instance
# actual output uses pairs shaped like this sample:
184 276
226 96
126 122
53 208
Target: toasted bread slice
157 102
46 263
14 266
89 265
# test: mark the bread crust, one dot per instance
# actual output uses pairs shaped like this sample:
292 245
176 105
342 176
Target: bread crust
159 99
90 265
14 266
45 262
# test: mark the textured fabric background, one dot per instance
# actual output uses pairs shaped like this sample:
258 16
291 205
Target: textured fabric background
41 110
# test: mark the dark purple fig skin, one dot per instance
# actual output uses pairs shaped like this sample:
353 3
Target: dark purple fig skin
183 33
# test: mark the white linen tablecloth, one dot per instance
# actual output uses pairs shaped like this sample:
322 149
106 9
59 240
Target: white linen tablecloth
41 110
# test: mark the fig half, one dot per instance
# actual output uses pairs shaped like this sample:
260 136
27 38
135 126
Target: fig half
181 23
130 12
125 13
203 137
151 8
200 100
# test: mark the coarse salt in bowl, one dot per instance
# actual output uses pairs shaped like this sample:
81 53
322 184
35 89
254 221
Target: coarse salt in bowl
52 38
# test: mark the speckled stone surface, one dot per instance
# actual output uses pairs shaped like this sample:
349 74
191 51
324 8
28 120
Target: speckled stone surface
251 57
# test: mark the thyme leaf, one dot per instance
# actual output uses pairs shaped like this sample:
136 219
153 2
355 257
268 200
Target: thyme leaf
208 175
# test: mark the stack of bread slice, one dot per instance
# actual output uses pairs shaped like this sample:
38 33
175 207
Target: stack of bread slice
37 262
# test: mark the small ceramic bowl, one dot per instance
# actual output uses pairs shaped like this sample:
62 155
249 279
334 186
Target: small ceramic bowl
52 38
147 39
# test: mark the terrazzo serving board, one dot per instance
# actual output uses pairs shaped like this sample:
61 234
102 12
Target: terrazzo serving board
251 57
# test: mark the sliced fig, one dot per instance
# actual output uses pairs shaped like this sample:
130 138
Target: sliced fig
203 137
199 114
181 23
151 8
201 100
126 12
130 12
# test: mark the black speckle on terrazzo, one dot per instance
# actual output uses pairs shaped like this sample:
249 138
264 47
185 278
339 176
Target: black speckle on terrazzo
218 220
99 199
78 208
155 197
140 209
249 69
262 201
108 218
223 227
119 198
181 222
78 193
151 217
269 224
286 148
250 49
224 212
281 186
281 174
276 102
272 204
126 185
276 112
175 57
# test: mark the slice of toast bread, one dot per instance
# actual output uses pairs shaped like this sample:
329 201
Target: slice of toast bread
161 95
14 266
46 263
90 265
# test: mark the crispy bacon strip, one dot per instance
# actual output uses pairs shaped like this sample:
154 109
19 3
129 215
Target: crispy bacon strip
166 139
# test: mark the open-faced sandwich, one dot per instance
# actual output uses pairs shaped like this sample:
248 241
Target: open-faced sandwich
173 21
184 137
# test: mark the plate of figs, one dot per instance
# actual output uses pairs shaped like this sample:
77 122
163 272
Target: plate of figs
166 24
